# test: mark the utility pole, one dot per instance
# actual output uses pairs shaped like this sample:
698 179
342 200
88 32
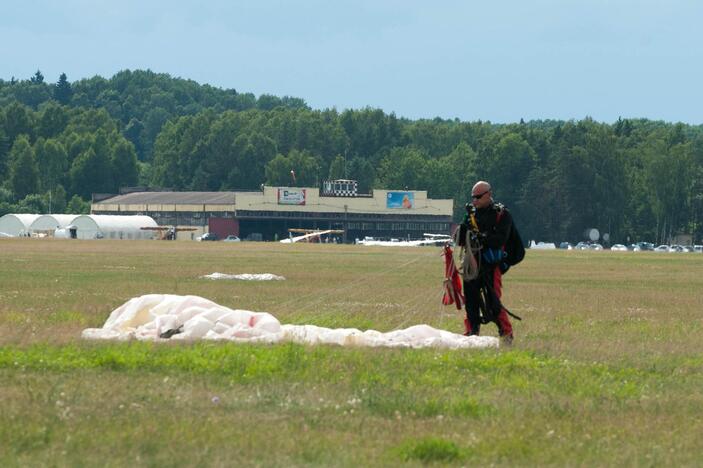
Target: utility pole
344 234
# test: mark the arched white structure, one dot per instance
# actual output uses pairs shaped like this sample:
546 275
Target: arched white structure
17 224
48 223
113 227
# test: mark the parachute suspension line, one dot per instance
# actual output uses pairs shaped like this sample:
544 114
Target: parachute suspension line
319 298
418 307
405 309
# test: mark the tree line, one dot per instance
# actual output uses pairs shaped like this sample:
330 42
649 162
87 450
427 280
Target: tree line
635 179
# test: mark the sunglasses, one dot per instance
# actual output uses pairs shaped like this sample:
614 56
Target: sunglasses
476 197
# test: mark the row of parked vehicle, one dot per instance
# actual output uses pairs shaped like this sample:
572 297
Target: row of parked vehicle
679 248
637 247
211 236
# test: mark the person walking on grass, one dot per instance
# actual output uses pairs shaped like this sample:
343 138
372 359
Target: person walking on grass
484 233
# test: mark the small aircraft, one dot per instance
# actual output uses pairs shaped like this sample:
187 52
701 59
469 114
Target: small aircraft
168 232
309 235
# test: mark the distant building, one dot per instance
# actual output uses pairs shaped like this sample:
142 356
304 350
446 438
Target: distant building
16 224
46 225
125 226
269 213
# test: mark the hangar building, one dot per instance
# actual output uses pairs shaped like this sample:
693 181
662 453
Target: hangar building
113 227
48 224
16 224
269 213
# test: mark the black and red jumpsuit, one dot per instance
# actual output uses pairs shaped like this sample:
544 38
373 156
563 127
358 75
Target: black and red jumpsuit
494 223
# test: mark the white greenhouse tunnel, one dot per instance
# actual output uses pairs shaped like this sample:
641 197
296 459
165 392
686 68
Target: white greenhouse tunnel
47 224
113 227
16 225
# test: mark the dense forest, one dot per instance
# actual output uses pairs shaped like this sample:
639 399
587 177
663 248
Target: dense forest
60 142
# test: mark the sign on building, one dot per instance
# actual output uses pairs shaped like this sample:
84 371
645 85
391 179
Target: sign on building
400 200
340 188
291 196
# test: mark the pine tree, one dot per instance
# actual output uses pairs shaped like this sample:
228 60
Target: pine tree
38 78
62 90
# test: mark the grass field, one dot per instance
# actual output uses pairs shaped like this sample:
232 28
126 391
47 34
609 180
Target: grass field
607 366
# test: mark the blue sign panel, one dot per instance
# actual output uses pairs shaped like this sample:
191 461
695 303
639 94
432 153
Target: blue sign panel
400 200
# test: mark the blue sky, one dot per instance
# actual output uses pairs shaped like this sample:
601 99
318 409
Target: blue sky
498 61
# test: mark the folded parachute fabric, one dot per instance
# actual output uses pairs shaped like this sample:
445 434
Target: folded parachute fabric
162 317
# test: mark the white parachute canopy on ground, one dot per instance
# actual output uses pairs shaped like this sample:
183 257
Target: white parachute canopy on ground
157 317
245 276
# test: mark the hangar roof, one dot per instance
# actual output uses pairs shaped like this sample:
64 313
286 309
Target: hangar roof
176 198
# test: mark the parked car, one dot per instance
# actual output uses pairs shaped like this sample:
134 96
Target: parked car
231 238
566 245
698 248
581 246
208 236
595 246
662 248
634 247
645 246
619 248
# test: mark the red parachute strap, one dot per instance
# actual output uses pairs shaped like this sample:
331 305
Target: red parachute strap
452 280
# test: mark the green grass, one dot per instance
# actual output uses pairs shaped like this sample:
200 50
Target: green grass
430 449
606 369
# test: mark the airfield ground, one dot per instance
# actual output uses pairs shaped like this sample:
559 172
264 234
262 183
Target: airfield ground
606 368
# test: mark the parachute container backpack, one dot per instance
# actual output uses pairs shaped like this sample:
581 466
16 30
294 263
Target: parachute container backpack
514 248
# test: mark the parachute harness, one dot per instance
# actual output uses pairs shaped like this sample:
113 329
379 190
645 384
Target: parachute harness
470 258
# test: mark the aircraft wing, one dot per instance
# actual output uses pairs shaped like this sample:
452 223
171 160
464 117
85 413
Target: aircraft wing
312 235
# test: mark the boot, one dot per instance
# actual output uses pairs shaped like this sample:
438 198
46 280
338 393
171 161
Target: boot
467 327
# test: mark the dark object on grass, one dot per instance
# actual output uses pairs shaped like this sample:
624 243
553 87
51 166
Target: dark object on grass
169 333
